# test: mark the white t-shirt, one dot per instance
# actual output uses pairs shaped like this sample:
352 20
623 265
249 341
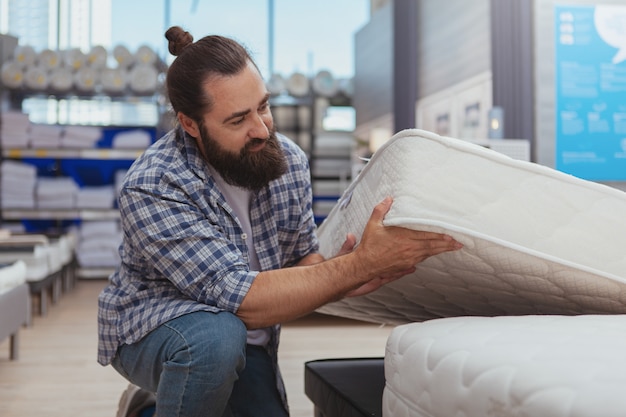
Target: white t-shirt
239 200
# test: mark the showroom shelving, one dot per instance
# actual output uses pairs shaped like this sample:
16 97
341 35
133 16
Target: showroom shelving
304 115
87 166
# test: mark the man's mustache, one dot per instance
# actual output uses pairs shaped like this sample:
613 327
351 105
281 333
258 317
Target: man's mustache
255 142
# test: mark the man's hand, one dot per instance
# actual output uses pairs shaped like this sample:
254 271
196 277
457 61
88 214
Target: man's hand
374 284
389 250
383 254
385 244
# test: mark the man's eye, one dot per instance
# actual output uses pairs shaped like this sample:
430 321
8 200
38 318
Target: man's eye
238 121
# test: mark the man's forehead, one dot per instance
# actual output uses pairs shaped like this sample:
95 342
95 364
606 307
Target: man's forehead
236 93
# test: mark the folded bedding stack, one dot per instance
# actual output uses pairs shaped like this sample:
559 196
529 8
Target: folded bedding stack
45 136
96 197
17 184
98 243
83 137
56 193
14 129
132 139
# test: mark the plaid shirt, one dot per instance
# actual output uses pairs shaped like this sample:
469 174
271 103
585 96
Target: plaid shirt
183 248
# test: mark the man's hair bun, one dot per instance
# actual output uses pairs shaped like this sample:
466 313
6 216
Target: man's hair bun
178 39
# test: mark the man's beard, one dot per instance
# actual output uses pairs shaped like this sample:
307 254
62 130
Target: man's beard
249 170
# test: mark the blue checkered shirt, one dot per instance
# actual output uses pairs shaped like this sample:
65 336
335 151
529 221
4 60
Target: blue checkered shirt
183 249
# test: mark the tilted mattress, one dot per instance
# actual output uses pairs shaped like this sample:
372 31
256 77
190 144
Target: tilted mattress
557 366
536 241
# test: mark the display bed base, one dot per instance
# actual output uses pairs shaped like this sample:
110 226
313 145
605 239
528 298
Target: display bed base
345 387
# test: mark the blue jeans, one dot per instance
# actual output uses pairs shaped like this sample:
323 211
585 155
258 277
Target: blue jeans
199 365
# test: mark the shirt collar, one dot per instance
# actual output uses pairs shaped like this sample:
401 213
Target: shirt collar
194 157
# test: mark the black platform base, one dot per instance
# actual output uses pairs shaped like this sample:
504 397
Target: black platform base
345 387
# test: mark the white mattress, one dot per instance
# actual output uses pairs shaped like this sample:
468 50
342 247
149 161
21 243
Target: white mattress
507 366
12 275
535 240
38 254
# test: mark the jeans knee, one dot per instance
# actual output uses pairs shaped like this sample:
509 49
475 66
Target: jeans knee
206 357
225 348
231 347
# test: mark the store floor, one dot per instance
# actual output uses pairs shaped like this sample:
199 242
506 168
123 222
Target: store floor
57 375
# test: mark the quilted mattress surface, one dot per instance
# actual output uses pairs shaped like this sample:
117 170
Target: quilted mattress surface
536 241
524 366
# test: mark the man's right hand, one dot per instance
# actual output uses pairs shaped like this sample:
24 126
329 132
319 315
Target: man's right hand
383 255
387 251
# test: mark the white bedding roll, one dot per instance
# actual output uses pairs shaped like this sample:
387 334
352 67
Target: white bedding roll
86 79
36 78
74 58
12 75
97 57
123 56
49 59
114 80
145 55
24 56
298 85
61 80
325 84
143 79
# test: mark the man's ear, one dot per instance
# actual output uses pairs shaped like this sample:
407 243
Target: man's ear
189 125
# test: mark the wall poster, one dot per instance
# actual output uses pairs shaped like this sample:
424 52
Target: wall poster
459 111
590 68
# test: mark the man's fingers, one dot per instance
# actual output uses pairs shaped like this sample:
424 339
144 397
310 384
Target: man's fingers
434 240
422 235
381 209
348 244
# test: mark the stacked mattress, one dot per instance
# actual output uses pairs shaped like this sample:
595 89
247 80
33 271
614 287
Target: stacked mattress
530 366
536 241
40 257
14 303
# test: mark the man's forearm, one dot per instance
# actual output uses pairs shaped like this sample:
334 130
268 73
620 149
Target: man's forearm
286 294
311 259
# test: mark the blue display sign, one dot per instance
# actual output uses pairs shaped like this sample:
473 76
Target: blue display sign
590 83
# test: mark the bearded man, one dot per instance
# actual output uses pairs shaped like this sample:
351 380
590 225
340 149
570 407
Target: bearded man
219 247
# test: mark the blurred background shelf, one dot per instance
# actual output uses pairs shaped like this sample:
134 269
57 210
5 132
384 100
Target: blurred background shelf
61 214
99 153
